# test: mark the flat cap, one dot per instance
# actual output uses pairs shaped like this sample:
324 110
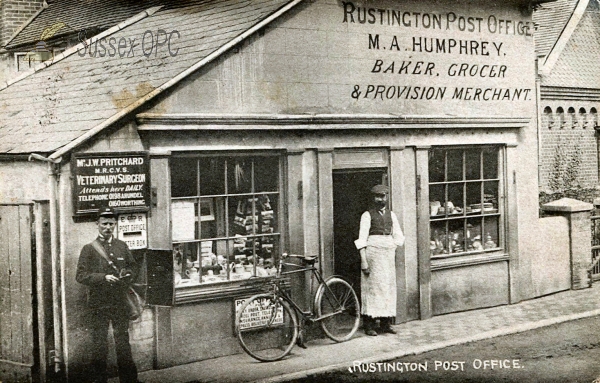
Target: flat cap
106 212
380 189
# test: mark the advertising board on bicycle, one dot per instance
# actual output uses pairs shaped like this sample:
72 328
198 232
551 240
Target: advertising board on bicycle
260 314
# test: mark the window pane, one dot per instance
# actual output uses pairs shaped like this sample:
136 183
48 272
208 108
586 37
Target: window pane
474 197
490 197
455 165
186 264
490 227
473 236
183 177
239 175
244 212
455 202
212 176
456 236
437 198
490 163
473 164
436 165
211 217
266 174
214 261
438 244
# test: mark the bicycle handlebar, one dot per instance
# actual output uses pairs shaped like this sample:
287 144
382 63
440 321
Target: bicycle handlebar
304 257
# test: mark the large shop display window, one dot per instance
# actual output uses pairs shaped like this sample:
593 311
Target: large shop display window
464 192
225 213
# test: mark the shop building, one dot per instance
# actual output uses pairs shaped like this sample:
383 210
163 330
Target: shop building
237 131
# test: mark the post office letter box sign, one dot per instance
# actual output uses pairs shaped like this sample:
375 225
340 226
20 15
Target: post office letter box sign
117 180
132 229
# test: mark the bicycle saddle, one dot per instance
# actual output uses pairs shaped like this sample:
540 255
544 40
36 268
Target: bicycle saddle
310 259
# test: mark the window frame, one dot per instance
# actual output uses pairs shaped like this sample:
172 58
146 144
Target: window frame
229 288
440 261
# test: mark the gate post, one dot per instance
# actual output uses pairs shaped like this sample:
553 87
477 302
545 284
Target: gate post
578 215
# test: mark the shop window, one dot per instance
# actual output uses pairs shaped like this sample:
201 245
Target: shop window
464 195
225 218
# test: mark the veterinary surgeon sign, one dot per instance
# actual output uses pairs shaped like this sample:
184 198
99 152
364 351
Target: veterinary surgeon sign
117 180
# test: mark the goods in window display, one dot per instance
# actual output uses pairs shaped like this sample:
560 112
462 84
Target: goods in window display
434 207
193 275
489 242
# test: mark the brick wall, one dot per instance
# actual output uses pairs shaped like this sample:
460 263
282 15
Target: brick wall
569 146
13 14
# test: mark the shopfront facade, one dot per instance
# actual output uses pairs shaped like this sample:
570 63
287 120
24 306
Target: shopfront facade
273 146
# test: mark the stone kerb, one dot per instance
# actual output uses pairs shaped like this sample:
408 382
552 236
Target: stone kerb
578 214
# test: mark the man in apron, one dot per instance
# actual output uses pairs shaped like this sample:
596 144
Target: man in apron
379 236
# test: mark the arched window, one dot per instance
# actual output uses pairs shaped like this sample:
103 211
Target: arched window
570 120
593 118
547 119
560 118
581 117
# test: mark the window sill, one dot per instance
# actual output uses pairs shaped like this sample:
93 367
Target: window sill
223 290
468 260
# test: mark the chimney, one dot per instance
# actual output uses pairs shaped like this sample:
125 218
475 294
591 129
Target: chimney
13 14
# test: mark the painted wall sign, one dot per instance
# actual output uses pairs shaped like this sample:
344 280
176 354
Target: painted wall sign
379 57
438 55
133 230
117 180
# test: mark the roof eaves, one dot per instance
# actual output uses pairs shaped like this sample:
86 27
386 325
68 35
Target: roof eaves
25 24
141 101
132 20
563 39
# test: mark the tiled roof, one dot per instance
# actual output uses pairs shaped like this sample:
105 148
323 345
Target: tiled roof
56 105
577 66
91 15
551 19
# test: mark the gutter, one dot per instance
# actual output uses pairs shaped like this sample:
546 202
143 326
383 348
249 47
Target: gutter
132 107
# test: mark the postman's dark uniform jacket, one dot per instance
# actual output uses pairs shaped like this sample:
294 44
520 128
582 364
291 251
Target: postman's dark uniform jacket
92 269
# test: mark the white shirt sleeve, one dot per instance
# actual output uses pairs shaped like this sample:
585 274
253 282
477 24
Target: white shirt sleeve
396 231
363 234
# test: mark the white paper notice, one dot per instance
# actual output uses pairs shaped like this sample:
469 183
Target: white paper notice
184 216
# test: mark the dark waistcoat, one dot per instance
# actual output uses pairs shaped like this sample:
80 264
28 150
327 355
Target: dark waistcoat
380 224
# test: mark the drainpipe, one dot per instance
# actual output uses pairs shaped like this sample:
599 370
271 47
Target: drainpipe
53 174
538 103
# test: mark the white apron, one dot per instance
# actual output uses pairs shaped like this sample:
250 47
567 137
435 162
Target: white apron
378 289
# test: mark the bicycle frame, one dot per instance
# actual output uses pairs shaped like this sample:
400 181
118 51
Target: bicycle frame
309 315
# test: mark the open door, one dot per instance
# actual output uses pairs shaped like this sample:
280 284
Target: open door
351 198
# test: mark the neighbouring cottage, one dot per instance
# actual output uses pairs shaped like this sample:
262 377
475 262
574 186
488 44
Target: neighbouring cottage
567 49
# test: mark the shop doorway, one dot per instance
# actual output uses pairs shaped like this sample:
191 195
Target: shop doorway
351 197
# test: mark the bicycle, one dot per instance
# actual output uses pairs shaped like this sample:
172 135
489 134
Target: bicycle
267 324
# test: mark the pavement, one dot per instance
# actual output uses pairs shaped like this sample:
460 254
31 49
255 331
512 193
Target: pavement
413 338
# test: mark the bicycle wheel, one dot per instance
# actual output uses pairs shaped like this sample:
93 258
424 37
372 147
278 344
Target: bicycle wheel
266 327
337 305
